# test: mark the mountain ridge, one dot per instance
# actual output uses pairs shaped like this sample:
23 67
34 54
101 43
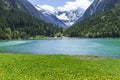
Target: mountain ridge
103 24
98 6
49 17
17 23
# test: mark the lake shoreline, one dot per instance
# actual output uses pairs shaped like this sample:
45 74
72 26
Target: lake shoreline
80 56
48 38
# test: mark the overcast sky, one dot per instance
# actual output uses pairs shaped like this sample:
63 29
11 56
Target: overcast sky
62 4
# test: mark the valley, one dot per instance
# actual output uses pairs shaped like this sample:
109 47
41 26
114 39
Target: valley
69 40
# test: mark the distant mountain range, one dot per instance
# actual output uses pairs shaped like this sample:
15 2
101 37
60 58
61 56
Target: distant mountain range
61 18
69 17
66 17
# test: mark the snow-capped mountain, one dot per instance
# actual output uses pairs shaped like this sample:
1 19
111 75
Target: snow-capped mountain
66 17
49 17
69 17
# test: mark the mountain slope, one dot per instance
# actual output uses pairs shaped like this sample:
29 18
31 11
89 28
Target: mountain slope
15 22
22 5
98 6
49 17
103 24
27 7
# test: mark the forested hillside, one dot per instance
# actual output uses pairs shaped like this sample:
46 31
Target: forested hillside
98 6
15 23
104 24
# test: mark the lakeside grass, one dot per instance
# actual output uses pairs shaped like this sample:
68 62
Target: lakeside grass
57 67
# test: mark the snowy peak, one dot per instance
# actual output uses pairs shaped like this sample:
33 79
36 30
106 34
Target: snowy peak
69 17
49 17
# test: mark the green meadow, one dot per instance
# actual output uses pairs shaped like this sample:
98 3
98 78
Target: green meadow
57 67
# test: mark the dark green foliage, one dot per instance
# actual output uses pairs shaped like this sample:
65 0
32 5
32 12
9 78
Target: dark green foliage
16 24
105 24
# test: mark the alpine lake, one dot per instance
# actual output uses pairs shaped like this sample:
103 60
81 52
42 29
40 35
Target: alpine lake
107 47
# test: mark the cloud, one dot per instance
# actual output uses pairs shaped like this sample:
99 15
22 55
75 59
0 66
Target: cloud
47 7
71 5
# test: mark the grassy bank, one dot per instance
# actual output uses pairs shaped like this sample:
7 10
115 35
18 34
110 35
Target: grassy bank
57 67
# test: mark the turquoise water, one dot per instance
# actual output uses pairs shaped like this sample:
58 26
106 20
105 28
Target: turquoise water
95 47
